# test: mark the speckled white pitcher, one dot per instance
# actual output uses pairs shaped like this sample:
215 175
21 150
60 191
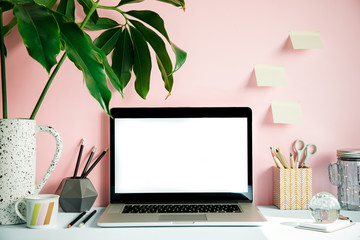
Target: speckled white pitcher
18 164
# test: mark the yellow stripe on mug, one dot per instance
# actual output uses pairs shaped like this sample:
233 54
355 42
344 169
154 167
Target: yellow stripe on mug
35 214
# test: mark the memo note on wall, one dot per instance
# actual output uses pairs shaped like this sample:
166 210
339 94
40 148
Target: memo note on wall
288 112
270 75
306 40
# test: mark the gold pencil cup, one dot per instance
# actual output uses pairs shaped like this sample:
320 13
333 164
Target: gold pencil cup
292 188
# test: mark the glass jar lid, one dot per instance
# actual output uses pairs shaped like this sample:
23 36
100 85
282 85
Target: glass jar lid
349 153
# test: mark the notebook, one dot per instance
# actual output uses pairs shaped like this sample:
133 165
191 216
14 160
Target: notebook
181 167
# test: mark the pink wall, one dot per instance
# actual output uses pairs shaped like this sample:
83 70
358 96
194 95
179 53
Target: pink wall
224 40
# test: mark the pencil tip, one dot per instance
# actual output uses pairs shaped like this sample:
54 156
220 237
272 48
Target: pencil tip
82 142
106 149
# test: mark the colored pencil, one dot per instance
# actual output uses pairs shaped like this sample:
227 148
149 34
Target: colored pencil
276 160
292 162
282 158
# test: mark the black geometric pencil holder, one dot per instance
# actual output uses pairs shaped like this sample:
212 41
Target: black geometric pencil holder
76 194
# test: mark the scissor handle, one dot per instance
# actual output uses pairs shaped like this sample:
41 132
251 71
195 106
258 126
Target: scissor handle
309 153
297 149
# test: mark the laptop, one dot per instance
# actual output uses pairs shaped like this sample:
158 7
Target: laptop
181 166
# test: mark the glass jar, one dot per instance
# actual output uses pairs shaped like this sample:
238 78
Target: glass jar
345 174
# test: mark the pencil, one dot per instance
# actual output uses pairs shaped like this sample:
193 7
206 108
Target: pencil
79 158
87 218
88 162
292 162
277 161
96 162
282 158
76 219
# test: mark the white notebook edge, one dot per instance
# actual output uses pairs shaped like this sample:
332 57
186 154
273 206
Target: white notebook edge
331 227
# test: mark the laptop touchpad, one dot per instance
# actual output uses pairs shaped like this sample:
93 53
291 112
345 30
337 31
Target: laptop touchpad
182 217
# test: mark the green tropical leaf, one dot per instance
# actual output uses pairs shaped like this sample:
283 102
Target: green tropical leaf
79 51
155 21
20 1
123 2
101 24
67 8
180 57
142 63
151 18
87 5
101 56
176 3
5 6
9 27
47 3
107 40
40 33
123 58
163 59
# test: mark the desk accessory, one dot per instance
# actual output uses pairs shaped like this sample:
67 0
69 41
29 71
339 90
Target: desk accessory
306 149
78 193
329 227
282 158
18 164
79 158
87 218
76 219
88 161
324 208
41 210
292 188
96 162
345 174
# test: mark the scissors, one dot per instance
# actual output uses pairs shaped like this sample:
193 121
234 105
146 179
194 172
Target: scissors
306 148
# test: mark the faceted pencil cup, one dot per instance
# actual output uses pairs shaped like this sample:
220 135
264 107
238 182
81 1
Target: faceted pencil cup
76 194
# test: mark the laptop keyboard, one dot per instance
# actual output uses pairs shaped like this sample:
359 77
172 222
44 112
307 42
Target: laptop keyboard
182 208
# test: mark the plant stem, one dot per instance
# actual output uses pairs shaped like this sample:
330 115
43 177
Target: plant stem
52 76
3 70
115 8
91 11
46 88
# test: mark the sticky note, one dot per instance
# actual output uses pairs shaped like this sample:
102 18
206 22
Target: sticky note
288 112
306 40
270 75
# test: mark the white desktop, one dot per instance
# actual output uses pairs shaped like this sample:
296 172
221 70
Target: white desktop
281 225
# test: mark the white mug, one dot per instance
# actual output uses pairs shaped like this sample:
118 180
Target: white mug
40 210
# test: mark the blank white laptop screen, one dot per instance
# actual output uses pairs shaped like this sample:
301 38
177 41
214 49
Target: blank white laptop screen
181 155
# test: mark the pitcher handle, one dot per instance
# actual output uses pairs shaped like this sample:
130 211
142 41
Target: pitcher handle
333 174
57 155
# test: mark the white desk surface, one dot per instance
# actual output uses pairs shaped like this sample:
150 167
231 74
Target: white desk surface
280 225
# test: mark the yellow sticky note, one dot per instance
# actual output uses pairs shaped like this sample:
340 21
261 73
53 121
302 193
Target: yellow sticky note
288 112
270 75
306 39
